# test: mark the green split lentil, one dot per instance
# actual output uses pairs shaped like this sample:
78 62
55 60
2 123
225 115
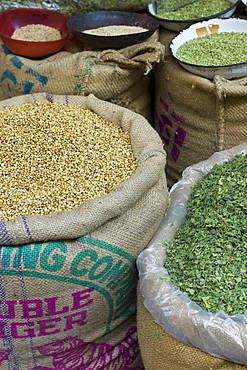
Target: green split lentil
207 258
195 10
171 5
215 49
55 156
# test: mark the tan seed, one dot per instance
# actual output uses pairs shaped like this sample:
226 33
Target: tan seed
55 156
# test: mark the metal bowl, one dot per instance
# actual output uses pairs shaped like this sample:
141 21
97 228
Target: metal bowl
181 25
244 3
85 21
206 27
12 19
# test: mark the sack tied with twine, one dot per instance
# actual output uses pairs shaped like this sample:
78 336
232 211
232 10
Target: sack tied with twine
195 116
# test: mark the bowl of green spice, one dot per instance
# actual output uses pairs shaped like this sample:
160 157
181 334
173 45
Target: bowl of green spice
214 47
177 15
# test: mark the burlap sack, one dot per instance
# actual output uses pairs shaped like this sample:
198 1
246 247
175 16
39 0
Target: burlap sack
68 280
196 116
161 351
73 7
120 76
180 333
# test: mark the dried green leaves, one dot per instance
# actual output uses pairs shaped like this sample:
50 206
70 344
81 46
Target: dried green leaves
207 259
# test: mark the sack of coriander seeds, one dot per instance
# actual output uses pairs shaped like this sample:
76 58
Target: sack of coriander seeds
68 278
192 297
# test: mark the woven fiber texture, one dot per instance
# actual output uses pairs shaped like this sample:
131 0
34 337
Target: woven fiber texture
68 279
120 76
196 116
160 350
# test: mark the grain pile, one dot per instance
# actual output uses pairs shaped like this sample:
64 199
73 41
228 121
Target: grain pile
115 30
36 32
55 156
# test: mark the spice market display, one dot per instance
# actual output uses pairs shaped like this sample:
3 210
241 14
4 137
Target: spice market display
123 185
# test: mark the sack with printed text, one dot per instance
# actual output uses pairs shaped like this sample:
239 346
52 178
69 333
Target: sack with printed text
120 76
68 279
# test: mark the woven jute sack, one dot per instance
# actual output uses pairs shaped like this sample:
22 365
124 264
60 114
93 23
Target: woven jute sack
68 279
173 331
73 7
161 351
122 77
196 116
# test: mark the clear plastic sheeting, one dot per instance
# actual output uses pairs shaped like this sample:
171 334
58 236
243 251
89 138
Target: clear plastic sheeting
218 334
73 7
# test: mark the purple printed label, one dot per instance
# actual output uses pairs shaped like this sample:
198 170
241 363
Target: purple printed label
29 327
169 126
73 353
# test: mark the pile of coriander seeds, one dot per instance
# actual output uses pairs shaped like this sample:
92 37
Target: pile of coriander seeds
36 32
55 156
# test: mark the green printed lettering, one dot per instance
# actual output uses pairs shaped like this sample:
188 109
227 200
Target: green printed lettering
74 268
50 253
122 292
108 247
106 260
126 299
114 273
127 306
122 278
6 253
29 254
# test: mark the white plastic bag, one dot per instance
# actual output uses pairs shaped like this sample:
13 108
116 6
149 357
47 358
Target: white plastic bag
218 334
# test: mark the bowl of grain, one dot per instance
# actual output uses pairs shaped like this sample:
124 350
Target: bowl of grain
33 33
112 29
215 47
176 15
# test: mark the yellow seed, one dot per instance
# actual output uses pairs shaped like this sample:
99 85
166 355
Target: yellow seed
55 156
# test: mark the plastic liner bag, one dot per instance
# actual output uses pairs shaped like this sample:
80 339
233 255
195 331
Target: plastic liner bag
73 7
218 334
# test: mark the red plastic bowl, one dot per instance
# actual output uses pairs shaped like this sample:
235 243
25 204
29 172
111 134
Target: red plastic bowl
12 19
